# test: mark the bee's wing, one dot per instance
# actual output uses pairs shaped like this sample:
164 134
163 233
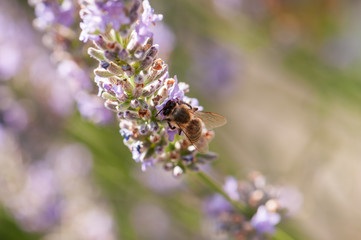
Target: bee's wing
201 144
211 120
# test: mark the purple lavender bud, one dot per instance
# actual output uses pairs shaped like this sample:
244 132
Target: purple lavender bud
100 43
123 54
134 103
139 55
153 51
127 86
137 92
138 79
146 63
133 44
144 129
154 127
152 88
115 69
111 105
131 115
104 64
120 115
111 55
264 221
129 70
133 13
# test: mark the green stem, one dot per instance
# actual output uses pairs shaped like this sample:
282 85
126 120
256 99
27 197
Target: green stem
282 235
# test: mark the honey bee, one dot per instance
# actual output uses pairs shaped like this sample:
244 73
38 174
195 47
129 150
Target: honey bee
189 120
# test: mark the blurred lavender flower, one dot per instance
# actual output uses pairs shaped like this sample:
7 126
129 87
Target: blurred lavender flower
54 194
216 205
216 69
56 18
263 201
135 84
11 45
231 188
10 60
49 13
264 221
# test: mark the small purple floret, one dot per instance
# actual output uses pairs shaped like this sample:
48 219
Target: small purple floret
216 205
148 17
264 221
231 188
171 134
174 93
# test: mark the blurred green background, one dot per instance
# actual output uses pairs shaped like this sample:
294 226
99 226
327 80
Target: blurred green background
286 75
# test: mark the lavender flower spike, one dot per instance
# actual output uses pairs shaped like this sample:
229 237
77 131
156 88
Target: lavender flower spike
262 201
135 83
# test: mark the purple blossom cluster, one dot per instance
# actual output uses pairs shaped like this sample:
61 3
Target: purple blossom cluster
50 13
98 16
57 19
267 204
135 83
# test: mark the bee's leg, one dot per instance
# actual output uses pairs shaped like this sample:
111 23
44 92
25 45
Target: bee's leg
170 126
179 131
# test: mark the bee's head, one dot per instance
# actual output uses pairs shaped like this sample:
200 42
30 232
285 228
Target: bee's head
169 106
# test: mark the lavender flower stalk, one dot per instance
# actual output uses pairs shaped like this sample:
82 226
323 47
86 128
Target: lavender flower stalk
135 83
265 207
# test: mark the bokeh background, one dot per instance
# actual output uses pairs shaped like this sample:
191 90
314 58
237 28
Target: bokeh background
287 76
